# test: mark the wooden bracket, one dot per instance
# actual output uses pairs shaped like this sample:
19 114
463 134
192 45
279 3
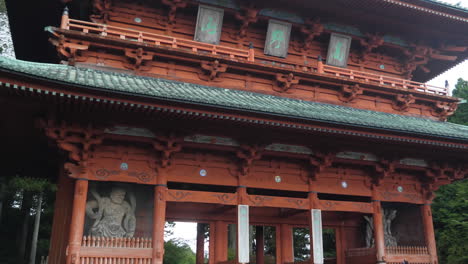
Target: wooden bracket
173 6
371 42
101 10
319 161
167 145
285 82
349 93
442 110
247 155
70 50
138 58
311 29
75 140
211 70
383 169
403 102
246 17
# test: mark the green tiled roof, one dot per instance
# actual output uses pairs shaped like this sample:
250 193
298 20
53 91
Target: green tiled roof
233 99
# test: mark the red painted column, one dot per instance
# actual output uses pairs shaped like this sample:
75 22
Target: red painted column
287 250
429 232
78 218
220 241
212 243
159 218
378 227
200 244
260 244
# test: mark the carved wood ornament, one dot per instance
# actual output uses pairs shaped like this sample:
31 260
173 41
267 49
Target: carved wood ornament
101 10
371 42
383 169
311 29
137 59
167 145
70 50
173 6
211 70
246 16
285 82
247 155
442 110
418 56
320 161
403 102
349 93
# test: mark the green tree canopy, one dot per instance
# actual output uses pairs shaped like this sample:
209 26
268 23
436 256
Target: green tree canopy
450 208
461 91
178 252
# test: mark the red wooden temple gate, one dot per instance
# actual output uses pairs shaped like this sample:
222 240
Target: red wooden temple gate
227 113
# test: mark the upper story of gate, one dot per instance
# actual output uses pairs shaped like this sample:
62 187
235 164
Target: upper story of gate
368 54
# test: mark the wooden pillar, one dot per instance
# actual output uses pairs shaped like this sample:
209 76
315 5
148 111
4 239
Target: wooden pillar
212 243
220 243
77 222
159 217
378 230
200 243
287 249
260 244
429 232
313 204
279 254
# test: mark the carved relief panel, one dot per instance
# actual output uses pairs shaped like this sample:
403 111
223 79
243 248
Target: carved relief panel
117 212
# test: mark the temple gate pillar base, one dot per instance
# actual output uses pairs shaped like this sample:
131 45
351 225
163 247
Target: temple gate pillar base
159 222
77 222
429 236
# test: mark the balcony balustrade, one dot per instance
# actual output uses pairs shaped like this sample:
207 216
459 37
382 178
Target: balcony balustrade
245 55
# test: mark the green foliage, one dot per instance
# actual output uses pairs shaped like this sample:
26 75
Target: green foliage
450 208
31 184
2 9
450 213
461 91
178 252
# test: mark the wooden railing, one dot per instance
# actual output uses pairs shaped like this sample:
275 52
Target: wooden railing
242 54
157 39
116 242
97 250
383 80
400 250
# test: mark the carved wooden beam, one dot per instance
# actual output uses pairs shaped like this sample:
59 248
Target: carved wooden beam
371 42
212 70
77 141
173 6
247 155
319 161
403 102
442 110
349 93
137 59
384 168
246 16
310 30
167 145
285 82
101 10
70 50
